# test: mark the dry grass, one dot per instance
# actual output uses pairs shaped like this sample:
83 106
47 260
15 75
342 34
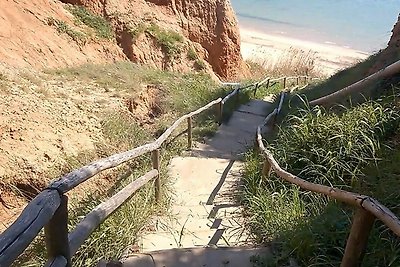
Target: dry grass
293 62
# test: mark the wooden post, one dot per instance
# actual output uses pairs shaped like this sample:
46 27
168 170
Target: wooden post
305 80
56 233
297 80
237 97
284 82
155 156
220 108
358 238
255 89
266 171
268 84
189 120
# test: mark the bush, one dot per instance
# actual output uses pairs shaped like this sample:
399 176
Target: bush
63 27
99 24
169 40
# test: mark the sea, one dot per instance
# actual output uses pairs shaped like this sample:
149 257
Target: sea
363 25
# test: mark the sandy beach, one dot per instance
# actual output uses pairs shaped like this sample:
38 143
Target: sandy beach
267 49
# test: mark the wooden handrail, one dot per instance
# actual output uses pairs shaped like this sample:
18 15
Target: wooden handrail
20 234
105 209
15 239
40 211
370 207
358 86
76 177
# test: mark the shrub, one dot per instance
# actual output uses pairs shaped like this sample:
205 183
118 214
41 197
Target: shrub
191 54
99 24
169 40
63 27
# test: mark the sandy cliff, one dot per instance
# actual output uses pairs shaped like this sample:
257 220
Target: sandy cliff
205 34
391 53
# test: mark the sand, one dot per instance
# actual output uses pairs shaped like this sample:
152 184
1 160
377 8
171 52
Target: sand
267 48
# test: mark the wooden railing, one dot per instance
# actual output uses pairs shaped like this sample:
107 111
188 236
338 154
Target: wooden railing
49 208
367 209
357 87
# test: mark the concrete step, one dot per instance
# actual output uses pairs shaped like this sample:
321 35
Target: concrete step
199 257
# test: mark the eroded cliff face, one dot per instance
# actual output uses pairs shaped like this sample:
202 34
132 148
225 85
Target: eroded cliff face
395 39
391 53
210 27
179 35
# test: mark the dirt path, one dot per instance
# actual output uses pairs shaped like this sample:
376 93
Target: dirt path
206 211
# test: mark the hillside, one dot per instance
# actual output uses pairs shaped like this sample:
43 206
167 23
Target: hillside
169 35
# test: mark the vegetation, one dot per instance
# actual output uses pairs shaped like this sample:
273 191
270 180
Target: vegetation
343 149
100 25
137 30
293 62
170 41
191 54
63 28
121 132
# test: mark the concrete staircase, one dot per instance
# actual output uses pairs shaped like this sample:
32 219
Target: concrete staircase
206 226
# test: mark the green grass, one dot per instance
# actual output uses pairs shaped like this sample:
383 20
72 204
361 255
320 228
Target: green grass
100 25
170 41
137 30
63 28
200 64
192 54
344 150
181 93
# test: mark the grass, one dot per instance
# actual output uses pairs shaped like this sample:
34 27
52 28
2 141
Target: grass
342 149
181 93
170 41
200 64
63 28
100 25
137 30
192 54
293 62
349 76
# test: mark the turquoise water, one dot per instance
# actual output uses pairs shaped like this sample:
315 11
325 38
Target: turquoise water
359 24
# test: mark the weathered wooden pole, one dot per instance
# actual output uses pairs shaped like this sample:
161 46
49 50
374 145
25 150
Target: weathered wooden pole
268 84
56 233
220 107
358 238
284 82
190 143
255 89
297 80
155 156
237 97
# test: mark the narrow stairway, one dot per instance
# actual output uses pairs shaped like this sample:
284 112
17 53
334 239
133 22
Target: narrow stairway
206 226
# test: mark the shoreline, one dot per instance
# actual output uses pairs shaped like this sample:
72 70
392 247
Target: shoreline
266 49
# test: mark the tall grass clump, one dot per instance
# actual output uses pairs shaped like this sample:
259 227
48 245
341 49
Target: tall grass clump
292 62
334 149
